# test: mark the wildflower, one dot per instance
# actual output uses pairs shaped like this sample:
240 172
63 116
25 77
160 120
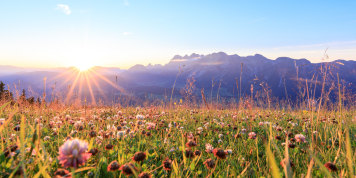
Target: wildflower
139 156
109 147
290 134
279 128
118 128
62 173
92 133
243 131
172 149
300 138
144 175
209 163
28 149
113 166
79 125
191 144
2 121
221 135
332 167
93 151
189 153
200 129
150 125
228 151
277 137
291 145
148 134
219 153
140 117
120 134
209 148
73 153
167 164
197 153
293 124
128 169
17 128
46 138
252 135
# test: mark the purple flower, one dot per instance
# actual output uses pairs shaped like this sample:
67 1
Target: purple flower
73 153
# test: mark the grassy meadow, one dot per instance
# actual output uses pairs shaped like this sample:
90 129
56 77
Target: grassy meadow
176 142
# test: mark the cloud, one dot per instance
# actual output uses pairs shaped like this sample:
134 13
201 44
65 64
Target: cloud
127 33
64 8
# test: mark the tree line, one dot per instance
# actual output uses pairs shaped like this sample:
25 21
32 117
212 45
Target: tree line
7 95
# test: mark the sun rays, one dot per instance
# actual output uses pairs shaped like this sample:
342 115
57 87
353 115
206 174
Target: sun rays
84 85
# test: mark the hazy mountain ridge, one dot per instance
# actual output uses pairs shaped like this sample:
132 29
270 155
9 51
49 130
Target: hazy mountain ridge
280 75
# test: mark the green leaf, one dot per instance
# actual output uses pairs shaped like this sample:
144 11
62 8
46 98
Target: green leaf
192 166
83 169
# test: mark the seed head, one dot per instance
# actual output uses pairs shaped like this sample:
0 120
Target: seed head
139 156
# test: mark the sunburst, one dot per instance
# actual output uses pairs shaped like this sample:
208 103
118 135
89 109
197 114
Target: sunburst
84 83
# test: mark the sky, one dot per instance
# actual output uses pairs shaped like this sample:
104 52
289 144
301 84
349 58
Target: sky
122 33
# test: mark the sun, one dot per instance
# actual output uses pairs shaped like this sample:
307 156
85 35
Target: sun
84 67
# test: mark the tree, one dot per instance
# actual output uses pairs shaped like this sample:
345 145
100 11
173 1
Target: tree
2 89
31 100
23 95
39 101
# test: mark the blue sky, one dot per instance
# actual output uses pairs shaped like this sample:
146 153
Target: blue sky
122 33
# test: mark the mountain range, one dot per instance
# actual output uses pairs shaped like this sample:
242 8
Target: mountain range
221 76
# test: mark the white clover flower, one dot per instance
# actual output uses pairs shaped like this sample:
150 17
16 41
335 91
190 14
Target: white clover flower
209 148
200 129
2 121
229 151
140 117
121 133
300 138
73 153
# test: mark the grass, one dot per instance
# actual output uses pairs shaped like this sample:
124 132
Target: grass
329 138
